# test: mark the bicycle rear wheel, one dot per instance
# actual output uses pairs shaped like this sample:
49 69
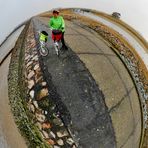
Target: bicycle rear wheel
57 50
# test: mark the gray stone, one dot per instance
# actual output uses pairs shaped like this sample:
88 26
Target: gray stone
60 142
45 134
36 66
58 122
31 56
55 146
29 63
40 117
44 83
52 134
32 94
70 141
35 58
29 69
27 57
62 134
35 104
31 108
30 84
31 74
43 93
38 79
45 112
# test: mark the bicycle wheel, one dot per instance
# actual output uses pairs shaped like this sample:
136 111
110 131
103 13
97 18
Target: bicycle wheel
43 51
57 50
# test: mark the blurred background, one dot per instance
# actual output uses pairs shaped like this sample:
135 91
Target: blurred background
14 12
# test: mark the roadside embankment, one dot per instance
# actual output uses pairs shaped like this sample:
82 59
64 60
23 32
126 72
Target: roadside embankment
17 94
144 43
8 128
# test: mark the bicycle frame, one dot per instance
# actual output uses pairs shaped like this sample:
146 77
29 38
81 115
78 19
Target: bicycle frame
43 49
42 44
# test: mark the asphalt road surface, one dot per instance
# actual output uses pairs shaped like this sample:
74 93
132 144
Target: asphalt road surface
93 90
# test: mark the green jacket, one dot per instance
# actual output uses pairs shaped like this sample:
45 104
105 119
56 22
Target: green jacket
57 23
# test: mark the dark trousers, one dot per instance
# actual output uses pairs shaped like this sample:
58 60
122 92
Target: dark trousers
62 40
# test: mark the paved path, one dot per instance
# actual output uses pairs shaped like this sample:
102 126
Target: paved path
120 94
99 118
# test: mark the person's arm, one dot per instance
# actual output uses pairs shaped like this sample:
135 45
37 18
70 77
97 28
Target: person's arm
50 23
63 24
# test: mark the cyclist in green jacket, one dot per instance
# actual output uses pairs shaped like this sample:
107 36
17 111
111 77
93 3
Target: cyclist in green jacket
57 22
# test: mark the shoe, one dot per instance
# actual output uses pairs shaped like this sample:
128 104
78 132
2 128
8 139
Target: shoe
64 47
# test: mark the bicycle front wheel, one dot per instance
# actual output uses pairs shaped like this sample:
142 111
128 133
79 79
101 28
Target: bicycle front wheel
57 50
43 51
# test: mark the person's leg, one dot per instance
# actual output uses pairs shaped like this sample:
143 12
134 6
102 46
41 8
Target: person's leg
63 42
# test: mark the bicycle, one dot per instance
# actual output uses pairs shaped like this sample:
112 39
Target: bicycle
43 50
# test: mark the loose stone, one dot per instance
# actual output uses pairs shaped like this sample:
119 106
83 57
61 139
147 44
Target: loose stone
29 63
35 104
58 122
35 58
27 57
40 117
62 134
38 71
38 79
50 141
46 125
32 94
55 146
30 84
31 74
44 83
29 68
45 112
60 142
70 141
31 108
45 134
36 66
52 134
43 93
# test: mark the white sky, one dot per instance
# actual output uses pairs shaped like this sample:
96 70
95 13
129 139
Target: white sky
13 12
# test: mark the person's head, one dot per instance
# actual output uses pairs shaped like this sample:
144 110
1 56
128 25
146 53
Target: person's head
55 13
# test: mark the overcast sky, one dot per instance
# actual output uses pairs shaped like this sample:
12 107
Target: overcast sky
13 12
